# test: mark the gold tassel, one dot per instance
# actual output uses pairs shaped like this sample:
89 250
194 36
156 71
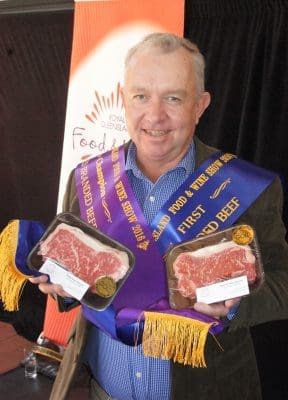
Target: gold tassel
176 338
12 281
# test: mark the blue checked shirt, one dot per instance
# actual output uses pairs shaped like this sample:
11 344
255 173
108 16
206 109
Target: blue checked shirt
123 371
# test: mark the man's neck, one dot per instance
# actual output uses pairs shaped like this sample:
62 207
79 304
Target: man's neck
153 170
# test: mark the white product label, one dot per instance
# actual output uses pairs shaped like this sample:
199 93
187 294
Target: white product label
59 275
235 287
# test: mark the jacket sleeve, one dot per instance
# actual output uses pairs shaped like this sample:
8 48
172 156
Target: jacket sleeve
70 199
70 204
270 301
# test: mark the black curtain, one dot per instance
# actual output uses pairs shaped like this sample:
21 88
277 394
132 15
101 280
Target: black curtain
35 50
246 49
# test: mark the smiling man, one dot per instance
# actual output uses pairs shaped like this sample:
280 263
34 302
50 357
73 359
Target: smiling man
166 172
163 100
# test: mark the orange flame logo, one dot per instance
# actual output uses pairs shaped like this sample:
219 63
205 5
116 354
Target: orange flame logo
103 103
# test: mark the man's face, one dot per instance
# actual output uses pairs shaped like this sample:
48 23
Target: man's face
161 104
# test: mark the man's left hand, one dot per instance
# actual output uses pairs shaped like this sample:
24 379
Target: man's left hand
217 310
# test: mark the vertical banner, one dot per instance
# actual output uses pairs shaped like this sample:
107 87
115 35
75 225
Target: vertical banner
103 32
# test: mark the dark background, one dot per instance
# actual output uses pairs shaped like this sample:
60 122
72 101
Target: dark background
246 48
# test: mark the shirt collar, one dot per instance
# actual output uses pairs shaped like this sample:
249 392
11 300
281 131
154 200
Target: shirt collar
187 163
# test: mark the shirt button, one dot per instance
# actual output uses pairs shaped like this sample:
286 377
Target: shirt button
152 199
138 375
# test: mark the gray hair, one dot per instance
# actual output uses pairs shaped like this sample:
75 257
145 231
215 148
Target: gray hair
167 43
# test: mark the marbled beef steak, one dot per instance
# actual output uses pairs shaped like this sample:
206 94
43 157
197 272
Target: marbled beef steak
212 264
84 256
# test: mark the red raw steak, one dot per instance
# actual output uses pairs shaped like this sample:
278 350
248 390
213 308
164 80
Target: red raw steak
84 256
213 264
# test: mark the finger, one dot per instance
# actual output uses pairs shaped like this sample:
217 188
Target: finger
49 288
215 310
232 302
38 279
53 289
62 293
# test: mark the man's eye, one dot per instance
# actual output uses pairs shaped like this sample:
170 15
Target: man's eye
139 97
173 99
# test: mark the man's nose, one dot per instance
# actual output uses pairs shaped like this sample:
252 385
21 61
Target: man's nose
155 111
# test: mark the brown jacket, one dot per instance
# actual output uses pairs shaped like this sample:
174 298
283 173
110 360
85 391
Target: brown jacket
232 370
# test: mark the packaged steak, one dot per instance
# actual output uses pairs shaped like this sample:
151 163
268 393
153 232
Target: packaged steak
214 268
90 265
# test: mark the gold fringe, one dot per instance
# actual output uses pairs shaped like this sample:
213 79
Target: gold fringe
12 281
176 338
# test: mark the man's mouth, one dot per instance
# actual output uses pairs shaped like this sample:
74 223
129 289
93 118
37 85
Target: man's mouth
155 133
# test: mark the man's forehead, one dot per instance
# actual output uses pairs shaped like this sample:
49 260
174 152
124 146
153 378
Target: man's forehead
145 70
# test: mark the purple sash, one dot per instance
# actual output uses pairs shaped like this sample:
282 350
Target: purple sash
107 202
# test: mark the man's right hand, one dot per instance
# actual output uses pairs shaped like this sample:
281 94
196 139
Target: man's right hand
48 288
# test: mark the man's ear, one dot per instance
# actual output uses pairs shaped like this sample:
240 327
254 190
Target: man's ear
202 104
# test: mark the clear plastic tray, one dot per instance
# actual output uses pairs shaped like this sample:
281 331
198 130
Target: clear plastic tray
99 300
201 262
